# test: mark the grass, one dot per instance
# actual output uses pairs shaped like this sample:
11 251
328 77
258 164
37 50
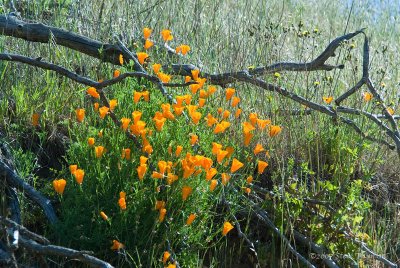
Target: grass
313 156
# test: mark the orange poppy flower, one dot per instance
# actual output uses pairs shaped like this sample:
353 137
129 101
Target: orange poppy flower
188 79
225 114
80 115
202 102
263 123
327 100
159 123
126 154
147 44
136 115
165 257
125 123
162 166
166 107
195 74
138 127
213 184
238 112
171 178
122 203
100 134
103 215
230 151
73 168
178 110
113 103
226 228
141 170
186 191
225 178
121 59
167 35
274 130
221 155
258 149
187 171
221 127
253 118
103 111
247 190
99 151
93 92
367 96
203 94
147 148
211 173
211 90
91 141
249 179
191 109
159 204
163 77
247 127
116 73
161 217
229 93
193 139
146 32
188 99
156 68
117 245
247 138
235 101
196 116
157 175
261 166
190 219
236 165
96 106
206 163
183 49
179 100
79 174
390 110
143 160
142 56
215 148
59 185
194 88
136 96
211 120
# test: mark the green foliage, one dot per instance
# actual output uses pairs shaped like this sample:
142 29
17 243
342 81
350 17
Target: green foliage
314 159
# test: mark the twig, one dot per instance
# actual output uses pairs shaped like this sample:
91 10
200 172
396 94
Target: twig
64 252
315 248
24 231
262 215
239 230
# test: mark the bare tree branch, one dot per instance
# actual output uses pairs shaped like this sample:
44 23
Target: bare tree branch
15 181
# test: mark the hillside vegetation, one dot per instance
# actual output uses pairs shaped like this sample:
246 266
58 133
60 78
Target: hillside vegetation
152 162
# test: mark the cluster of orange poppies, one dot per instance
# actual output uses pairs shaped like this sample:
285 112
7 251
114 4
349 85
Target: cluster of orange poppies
189 165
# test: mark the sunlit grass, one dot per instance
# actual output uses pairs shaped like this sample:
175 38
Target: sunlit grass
223 36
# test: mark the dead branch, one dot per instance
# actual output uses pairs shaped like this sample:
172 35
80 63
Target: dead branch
12 224
15 181
304 240
37 32
63 252
23 238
